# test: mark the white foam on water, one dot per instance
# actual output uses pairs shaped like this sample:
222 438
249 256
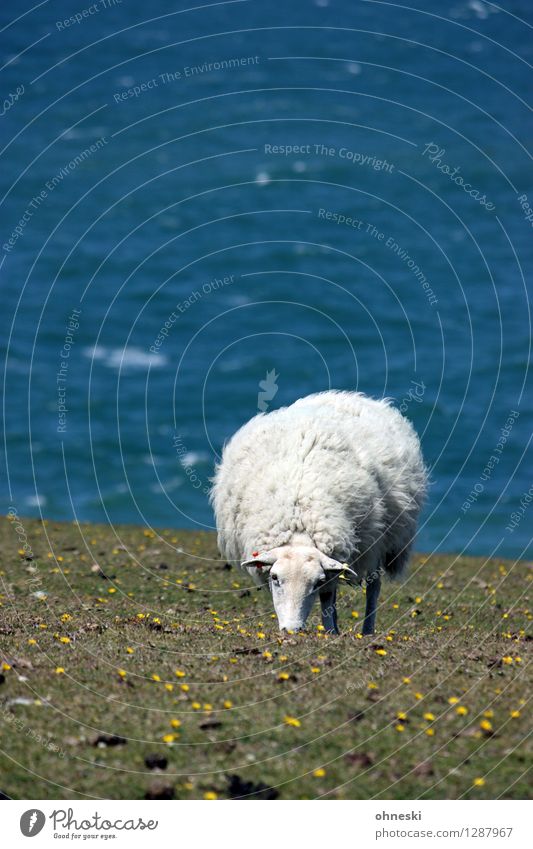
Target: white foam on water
125 358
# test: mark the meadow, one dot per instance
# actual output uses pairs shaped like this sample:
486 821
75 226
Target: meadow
136 664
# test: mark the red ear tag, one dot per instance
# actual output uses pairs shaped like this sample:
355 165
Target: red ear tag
255 554
259 566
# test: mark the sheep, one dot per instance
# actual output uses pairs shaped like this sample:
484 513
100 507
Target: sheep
331 485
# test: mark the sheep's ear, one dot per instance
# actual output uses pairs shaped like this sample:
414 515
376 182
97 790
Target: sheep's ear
262 560
330 565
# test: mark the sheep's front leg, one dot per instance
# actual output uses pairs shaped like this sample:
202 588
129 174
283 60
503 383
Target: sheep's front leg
328 603
373 588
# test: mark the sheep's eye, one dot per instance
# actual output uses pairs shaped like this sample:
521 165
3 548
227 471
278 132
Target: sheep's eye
274 579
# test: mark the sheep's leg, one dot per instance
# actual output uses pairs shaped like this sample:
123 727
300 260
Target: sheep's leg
328 603
373 588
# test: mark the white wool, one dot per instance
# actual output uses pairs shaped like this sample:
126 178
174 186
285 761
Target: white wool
337 470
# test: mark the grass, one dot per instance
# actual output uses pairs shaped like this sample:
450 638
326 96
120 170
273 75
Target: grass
132 670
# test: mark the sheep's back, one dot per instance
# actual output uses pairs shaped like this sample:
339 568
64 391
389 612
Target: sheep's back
334 466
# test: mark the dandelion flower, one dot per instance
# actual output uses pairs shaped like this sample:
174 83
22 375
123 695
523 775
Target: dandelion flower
399 727
319 773
283 676
228 704
60 670
479 782
514 714
185 688
210 794
401 715
122 673
129 650
488 714
291 720
461 710
419 696
453 700
430 732
355 614
196 706
315 670
65 640
485 725
179 673
381 652
429 716
169 687
32 642
168 738
406 680
156 677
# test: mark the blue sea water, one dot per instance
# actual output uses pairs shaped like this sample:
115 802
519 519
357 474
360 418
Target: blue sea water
216 209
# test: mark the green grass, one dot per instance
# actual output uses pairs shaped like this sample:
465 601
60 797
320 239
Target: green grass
455 629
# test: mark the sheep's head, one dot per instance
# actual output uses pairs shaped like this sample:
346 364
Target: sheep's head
295 575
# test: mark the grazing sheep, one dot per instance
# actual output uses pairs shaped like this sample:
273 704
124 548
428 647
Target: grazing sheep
331 485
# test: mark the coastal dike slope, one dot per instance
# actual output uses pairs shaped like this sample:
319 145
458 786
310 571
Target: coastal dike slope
136 664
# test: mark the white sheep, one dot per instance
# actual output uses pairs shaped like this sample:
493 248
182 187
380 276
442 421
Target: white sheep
331 485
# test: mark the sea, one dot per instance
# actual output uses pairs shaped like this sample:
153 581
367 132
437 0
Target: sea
210 210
